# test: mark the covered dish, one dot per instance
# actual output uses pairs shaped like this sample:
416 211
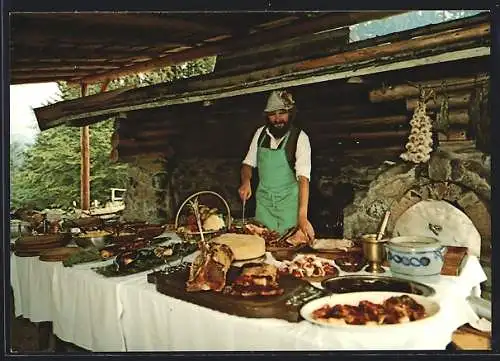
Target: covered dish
415 255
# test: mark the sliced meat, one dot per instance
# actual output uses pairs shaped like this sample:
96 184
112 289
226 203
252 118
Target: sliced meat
297 238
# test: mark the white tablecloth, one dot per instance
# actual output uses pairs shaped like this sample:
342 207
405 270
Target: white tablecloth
128 314
162 323
83 306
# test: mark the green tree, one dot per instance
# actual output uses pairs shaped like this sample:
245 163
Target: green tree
16 154
50 176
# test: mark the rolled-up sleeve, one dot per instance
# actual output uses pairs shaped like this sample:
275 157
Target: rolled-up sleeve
251 157
303 156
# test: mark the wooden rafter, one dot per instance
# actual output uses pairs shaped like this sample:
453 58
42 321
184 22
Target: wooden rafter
321 23
364 58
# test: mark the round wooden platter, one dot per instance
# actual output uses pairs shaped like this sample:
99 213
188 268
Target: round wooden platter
35 247
20 253
58 254
44 241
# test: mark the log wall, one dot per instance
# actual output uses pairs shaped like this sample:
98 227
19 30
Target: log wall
369 120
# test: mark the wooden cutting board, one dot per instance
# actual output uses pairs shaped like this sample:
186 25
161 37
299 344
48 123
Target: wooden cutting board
58 254
453 260
174 285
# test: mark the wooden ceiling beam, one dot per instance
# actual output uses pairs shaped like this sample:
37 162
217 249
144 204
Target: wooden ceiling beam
359 59
112 29
61 67
82 37
29 80
325 22
77 55
141 21
54 74
240 23
20 62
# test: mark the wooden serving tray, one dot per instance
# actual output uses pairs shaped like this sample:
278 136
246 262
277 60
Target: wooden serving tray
41 242
174 285
58 254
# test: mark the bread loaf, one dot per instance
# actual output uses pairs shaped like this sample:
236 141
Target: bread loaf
244 246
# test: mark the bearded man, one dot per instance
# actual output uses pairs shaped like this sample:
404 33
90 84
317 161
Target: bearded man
282 195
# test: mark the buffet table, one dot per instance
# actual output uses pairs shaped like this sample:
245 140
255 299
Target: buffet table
128 314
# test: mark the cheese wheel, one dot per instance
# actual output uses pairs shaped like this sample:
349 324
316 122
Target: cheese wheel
244 246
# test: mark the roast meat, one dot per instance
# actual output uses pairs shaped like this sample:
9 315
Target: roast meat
208 271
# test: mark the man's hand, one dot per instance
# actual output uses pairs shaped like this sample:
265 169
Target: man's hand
245 191
306 227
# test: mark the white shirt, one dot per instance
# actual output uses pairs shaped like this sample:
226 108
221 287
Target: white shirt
302 154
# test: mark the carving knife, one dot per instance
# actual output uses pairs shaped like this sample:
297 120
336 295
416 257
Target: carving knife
243 216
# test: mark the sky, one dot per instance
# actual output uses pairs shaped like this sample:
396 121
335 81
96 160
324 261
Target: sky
23 98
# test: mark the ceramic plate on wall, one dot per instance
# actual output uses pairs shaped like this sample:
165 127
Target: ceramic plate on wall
441 220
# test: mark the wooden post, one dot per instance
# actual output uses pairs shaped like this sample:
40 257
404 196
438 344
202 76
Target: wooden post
85 162
85 154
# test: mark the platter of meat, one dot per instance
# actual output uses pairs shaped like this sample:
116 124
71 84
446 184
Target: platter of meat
94 255
114 249
254 290
309 267
293 239
255 279
143 259
370 310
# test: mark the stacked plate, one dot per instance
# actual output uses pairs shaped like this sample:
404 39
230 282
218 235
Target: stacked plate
30 246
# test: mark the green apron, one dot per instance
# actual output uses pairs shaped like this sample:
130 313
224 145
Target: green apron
277 194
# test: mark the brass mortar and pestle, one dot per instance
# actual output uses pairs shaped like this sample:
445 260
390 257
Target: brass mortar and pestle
373 248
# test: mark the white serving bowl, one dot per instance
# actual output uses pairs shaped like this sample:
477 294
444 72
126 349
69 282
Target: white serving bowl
415 255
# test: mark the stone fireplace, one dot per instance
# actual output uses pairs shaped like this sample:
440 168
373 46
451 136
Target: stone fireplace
463 180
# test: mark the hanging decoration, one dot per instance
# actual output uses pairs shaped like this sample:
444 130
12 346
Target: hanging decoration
419 145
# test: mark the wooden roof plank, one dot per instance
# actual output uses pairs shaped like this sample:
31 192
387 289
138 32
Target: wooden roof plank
366 60
329 21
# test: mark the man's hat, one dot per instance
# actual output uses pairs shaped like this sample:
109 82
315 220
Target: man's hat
279 100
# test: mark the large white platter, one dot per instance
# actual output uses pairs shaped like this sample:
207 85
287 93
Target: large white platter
431 308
